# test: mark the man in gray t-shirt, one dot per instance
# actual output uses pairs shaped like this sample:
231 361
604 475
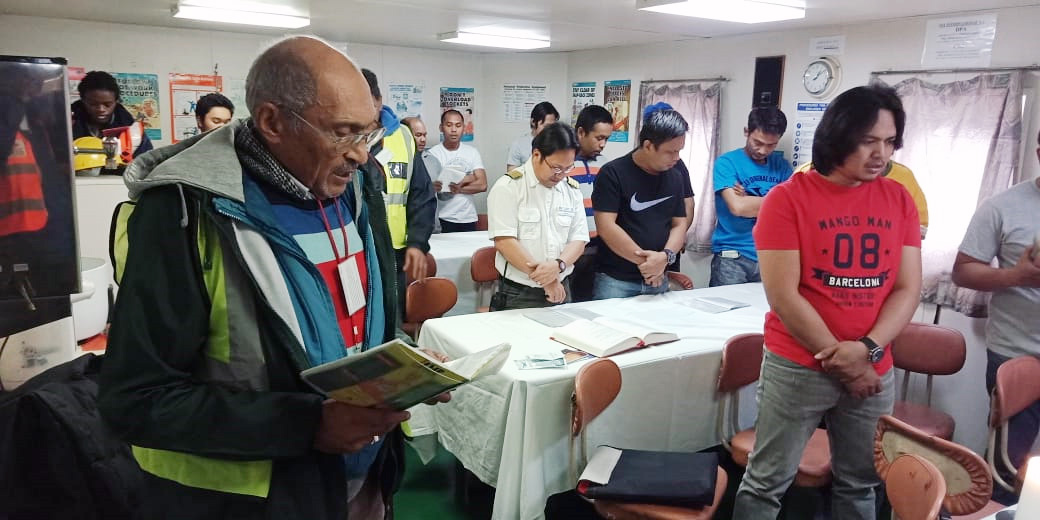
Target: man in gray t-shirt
1006 226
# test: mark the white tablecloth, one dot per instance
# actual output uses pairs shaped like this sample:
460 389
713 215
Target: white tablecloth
452 252
512 429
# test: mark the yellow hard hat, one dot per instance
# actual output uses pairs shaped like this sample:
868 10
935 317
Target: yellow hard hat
89 155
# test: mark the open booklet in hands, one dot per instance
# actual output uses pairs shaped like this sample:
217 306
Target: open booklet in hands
397 376
605 336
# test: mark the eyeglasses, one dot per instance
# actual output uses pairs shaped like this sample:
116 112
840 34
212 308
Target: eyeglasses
342 142
559 170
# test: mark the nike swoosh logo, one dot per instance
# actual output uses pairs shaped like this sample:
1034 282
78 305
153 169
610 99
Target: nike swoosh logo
640 206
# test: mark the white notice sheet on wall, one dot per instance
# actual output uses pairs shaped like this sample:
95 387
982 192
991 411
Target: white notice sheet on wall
518 99
965 41
808 118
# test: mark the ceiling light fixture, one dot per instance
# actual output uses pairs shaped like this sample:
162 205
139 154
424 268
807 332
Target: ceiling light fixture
250 14
741 11
493 40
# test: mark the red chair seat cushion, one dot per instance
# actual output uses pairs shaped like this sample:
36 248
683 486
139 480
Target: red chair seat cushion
926 419
814 470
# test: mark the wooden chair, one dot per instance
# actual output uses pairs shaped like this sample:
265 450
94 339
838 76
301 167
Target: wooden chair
1017 388
915 488
741 365
679 281
968 483
596 385
482 222
485 276
431 269
932 350
427 299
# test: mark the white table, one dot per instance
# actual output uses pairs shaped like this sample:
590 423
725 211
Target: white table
452 252
512 429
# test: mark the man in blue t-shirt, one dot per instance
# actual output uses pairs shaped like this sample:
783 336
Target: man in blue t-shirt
742 179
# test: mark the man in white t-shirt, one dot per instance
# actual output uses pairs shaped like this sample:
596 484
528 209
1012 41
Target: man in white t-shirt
457 211
542 114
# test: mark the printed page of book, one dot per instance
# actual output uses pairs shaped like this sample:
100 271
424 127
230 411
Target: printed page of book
595 338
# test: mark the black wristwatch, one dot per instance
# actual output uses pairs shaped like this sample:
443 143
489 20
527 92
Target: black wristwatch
671 256
562 264
876 351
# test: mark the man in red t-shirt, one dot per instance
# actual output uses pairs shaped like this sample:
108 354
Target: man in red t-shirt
839 251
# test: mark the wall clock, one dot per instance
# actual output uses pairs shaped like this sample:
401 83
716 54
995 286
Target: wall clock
821 77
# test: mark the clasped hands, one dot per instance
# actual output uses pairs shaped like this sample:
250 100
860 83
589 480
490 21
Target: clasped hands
849 362
547 275
652 267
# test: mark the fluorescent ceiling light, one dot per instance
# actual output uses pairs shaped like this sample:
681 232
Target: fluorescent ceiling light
493 40
742 11
246 17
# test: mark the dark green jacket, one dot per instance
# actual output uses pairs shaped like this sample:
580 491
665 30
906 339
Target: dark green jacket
160 387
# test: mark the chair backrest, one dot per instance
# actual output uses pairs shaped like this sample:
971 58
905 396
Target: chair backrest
968 482
430 298
482 222
740 366
915 488
741 362
482 265
431 269
679 281
928 349
595 386
485 276
1017 387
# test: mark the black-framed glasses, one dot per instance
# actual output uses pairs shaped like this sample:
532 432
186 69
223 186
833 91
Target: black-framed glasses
342 142
558 170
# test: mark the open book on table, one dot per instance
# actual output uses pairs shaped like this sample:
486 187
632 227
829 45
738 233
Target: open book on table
714 304
397 376
605 336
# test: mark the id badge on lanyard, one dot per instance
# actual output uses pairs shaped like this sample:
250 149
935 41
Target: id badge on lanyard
349 276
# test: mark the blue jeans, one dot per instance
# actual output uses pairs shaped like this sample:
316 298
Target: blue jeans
791 401
610 287
731 271
1022 430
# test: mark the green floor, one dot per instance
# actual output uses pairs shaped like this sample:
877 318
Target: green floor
431 492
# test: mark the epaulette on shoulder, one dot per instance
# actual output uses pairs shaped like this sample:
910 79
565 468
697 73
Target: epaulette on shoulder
515 174
572 183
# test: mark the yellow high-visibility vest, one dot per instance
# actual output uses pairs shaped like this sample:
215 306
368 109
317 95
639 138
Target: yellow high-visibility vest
398 172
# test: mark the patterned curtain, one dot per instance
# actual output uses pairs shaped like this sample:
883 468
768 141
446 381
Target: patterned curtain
699 103
962 142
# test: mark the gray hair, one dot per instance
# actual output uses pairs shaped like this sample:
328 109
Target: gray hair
280 77
661 126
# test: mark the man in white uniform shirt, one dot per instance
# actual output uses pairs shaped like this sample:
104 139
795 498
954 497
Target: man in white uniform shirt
457 211
537 219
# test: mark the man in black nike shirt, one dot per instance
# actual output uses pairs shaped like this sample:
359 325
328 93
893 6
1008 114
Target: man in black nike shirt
639 210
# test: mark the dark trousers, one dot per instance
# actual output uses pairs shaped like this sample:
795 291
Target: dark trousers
402 287
1022 430
512 295
457 227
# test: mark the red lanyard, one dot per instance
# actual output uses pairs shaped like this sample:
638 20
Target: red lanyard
328 229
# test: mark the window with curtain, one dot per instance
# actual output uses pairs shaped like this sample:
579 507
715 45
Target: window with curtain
699 102
962 141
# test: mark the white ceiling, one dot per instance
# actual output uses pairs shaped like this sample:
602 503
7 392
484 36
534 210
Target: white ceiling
571 24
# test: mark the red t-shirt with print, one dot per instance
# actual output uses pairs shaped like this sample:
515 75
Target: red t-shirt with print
851 241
